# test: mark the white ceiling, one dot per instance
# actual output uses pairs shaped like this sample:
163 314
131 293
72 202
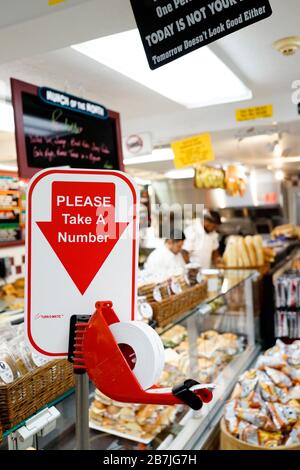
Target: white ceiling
38 51
14 12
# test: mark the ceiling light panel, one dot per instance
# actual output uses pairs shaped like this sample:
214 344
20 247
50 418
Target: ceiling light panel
196 80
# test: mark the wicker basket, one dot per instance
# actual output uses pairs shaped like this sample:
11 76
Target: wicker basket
28 394
169 309
228 442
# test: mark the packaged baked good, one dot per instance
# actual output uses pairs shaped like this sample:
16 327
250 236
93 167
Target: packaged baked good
22 359
283 415
7 333
278 377
270 439
267 387
278 361
237 391
174 336
255 399
248 433
231 418
292 372
112 412
279 348
294 437
294 393
248 385
258 418
127 413
8 369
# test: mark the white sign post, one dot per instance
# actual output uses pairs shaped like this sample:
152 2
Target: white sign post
82 247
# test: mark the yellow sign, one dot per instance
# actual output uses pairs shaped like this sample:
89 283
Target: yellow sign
250 114
194 150
55 2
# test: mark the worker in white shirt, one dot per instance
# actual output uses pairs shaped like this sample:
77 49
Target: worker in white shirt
202 240
167 260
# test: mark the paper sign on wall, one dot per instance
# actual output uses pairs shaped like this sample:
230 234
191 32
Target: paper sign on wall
55 2
193 150
82 228
171 29
258 112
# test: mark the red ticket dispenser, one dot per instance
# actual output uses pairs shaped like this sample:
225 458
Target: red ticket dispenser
111 367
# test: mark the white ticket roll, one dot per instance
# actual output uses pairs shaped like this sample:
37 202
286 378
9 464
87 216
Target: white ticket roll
160 348
143 340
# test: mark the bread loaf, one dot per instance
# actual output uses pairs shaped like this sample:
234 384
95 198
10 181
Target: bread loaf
259 249
251 251
242 247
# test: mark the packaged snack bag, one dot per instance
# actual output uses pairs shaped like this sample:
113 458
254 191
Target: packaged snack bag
294 437
270 439
279 378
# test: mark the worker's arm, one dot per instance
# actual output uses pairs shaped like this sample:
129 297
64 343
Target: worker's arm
217 259
186 256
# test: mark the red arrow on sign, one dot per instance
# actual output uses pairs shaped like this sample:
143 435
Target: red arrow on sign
83 230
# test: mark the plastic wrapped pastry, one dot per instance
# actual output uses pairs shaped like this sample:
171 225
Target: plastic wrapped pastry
248 433
294 437
269 439
279 378
267 387
258 419
230 416
283 415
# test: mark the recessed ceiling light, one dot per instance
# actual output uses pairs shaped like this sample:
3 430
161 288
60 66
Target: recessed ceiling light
196 80
279 175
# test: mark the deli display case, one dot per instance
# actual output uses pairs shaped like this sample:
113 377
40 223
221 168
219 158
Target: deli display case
212 343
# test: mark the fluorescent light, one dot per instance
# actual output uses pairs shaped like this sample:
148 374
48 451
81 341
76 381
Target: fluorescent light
279 175
196 80
8 167
187 173
159 155
7 123
141 181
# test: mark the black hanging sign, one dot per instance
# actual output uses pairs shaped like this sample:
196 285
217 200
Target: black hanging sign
172 28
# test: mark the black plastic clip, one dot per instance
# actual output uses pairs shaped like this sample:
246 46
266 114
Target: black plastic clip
187 396
75 340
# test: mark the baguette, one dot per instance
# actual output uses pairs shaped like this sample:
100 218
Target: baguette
251 251
243 252
258 245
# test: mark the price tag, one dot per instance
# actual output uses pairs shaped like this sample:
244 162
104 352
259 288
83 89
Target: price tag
6 374
157 294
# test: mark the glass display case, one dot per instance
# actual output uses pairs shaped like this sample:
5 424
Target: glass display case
213 343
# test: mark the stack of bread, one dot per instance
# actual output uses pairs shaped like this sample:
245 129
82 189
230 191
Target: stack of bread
264 409
244 252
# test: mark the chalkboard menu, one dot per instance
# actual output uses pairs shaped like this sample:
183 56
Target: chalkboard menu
52 135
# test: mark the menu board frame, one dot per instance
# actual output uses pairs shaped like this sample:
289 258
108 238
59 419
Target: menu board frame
24 170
